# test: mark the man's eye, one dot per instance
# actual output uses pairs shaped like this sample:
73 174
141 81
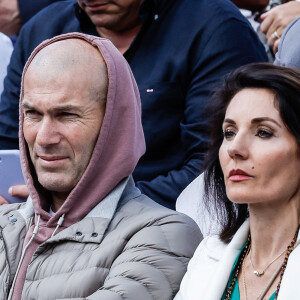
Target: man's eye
264 133
68 114
31 113
228 134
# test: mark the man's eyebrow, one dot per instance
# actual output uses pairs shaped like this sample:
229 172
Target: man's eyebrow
27 106
67 108
258 120
56 109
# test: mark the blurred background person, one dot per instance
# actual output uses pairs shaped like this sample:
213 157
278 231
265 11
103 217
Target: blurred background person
289 48
269 18
6 49
275 21
15 13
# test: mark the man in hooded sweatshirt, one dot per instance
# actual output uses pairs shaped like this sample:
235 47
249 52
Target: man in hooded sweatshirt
86 232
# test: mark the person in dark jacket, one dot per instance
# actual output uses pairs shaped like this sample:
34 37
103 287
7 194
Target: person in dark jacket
178 50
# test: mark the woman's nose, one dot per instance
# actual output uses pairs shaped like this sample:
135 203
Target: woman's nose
238 147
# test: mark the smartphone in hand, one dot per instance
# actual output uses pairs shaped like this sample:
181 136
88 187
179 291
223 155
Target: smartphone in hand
10 173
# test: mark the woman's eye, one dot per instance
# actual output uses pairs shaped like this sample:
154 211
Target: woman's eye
228 134
264 133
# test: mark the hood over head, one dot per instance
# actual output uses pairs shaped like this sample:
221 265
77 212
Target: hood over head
288 54
119 146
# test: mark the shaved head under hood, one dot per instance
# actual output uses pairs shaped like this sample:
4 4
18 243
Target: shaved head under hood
120 143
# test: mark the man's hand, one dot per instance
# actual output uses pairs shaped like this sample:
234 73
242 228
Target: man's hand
10 22
16 191
277 19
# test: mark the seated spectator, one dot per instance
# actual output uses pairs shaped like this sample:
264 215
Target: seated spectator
275 21
10 22
86 232
177 50
289 47
252 181
274 16
6 49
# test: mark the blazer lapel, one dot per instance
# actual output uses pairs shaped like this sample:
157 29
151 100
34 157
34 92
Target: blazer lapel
289 288
226 261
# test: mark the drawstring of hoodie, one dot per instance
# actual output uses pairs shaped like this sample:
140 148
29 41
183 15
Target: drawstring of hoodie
35 231
60 221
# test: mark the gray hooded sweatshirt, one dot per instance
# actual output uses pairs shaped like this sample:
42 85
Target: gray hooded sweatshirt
107 241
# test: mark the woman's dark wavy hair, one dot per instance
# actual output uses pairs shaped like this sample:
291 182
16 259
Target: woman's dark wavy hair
285 83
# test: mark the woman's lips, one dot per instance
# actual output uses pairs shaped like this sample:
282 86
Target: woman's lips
238 175
239 178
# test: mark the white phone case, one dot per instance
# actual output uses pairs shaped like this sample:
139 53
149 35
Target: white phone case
10 173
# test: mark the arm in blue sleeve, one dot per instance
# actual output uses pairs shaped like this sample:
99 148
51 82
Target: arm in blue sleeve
231 44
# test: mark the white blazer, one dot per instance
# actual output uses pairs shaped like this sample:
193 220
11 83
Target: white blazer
209 269
191 202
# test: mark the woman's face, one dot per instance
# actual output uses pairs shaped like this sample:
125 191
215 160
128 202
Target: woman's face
259 157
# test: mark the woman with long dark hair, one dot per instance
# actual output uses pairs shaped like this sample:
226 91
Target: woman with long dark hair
252 184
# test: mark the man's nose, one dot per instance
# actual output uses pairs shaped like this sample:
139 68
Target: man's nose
48 133
238 147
